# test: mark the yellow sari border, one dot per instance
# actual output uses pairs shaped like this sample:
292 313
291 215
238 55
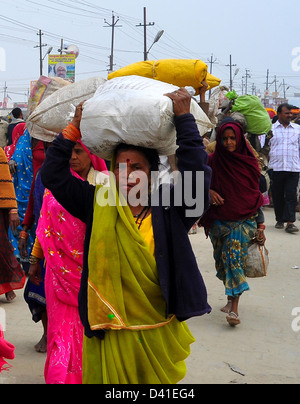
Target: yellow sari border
117 323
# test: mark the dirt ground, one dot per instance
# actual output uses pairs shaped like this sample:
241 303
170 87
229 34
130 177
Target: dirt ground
264 349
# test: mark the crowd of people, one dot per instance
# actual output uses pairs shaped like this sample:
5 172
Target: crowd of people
113 283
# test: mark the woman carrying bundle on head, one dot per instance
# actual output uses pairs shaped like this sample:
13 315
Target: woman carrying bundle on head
140 278
234 217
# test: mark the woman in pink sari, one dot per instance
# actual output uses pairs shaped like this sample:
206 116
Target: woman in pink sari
61 238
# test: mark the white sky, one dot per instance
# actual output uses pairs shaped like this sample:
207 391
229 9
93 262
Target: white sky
260 35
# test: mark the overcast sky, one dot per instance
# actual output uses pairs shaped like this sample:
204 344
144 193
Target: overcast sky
260 35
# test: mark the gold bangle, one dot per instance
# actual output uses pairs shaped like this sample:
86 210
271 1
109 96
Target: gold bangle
33 260
23 235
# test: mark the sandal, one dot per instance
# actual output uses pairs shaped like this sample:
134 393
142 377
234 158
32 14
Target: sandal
233 319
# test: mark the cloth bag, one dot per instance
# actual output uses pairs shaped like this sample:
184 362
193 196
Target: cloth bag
43 88
179 72
134 110
258 119
56 111
257 262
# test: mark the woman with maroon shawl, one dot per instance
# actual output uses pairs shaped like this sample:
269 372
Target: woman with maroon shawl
232 219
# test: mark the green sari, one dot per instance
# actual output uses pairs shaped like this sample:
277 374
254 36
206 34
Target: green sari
141 345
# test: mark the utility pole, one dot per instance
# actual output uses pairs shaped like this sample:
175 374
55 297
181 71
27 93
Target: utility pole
231 79
4 97
145 25
246 82
41 45
5 90
113 25
61 46
284 89
211 62
275 81
267 89
267 83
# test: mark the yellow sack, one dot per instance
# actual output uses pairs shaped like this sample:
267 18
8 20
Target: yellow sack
212 81
179 72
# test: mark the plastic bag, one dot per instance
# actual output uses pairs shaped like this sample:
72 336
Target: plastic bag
257 262
57 110
133 110
258 119
216 99
179 72
42 89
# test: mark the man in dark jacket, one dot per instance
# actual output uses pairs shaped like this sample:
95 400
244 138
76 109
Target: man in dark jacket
17 118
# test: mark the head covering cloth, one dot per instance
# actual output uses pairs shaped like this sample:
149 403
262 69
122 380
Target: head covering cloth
235 177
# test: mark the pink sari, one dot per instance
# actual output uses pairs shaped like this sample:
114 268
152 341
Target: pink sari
7 351
62 237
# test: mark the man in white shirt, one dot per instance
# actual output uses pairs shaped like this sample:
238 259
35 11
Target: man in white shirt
285 163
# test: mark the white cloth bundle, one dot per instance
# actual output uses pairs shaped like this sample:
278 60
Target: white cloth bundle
133 110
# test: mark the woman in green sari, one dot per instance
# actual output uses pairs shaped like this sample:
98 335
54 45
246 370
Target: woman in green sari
140 280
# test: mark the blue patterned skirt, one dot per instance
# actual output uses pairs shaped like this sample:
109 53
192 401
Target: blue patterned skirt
230 242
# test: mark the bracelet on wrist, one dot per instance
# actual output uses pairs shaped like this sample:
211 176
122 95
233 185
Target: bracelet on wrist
71 133
13 211
23 235
261 227
33 260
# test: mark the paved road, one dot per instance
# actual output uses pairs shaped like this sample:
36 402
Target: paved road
263 349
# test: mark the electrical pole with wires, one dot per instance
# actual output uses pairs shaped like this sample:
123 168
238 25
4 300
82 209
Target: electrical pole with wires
248 76
113 25
211 62
231 78
145 25
41 45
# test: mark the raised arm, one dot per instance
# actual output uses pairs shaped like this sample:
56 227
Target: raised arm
192 160
75 195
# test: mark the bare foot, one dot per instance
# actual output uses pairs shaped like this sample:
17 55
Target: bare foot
10 296
227 309
42 345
